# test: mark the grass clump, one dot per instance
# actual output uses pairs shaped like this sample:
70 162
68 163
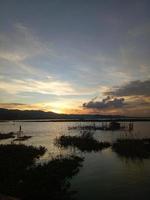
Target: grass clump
14 160
51 180
6 135
85 142
132 148
21 177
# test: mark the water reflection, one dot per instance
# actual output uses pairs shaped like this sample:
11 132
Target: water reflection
105 174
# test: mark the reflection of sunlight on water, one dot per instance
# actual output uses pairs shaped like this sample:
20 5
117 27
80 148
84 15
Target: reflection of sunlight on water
44 133
104 174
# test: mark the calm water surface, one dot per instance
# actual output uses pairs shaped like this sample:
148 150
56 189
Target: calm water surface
104 174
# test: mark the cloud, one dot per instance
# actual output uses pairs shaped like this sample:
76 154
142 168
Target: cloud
18 47
12 104
22 106
141 30
106 103
60 105
53 87
22 43
46 86
133 88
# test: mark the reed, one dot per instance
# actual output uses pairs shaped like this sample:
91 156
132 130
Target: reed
21 177
132 148
85 142
6 135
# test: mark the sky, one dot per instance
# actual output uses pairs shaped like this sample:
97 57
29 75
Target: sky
75 56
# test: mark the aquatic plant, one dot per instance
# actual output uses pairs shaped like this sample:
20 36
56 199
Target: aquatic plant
85 142
21 177
6 135
51 180
132 148
6 197
14 161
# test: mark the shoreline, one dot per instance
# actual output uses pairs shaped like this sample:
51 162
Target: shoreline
80 120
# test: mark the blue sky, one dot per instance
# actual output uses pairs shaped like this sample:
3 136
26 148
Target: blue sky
59 54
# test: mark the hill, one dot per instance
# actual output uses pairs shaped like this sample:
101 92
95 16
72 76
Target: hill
6 114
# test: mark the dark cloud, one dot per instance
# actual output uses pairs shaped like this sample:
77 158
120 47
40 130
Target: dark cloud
107 103
12 104
134 88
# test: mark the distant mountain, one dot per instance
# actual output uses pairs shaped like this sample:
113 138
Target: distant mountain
6 114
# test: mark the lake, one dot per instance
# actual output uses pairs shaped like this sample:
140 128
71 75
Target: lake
105 174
